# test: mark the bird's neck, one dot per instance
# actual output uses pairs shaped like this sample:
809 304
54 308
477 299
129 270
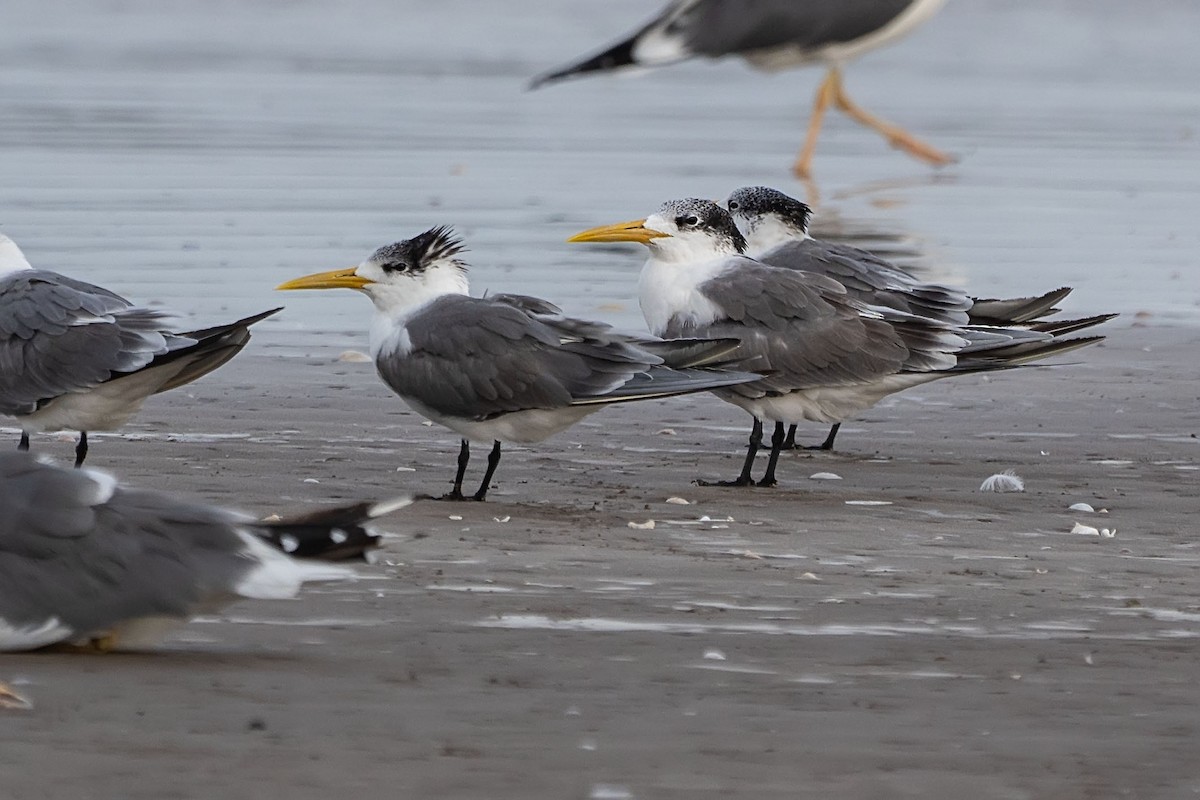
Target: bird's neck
769 234
396 303
669 291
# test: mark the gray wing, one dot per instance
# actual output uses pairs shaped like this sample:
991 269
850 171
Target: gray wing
59 335
722 27
74 549
475 358
805 332
872 280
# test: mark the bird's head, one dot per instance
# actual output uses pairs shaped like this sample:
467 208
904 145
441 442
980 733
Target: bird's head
399 276
689 230
768 217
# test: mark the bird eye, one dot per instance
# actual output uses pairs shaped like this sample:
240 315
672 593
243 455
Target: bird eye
734 205
394 266
689 220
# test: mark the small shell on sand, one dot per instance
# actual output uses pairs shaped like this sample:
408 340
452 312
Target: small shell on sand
648 525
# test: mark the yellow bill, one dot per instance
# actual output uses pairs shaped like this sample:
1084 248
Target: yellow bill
335 279
634 231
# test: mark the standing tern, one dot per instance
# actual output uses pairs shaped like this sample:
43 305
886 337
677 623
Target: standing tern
85 561
773 35
775 227
824 355
504 368
74 356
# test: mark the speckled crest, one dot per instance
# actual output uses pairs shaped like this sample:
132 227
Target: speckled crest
752 202
421 252
708 216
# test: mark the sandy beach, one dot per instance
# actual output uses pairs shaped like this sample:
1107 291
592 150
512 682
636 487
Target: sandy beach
874 627
892 633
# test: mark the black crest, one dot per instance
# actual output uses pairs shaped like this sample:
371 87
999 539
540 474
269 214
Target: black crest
421 252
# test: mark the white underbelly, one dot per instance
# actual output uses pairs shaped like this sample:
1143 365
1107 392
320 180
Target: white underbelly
518 427
104 407
828 404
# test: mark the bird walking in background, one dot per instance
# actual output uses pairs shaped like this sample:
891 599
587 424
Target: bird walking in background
85 561
74 356
505 368
775 227
773 35
824 355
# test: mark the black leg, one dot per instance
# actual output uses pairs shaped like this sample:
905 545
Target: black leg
493 462
81 449
464 456
790 442
24 443
768 478
828 443
744 479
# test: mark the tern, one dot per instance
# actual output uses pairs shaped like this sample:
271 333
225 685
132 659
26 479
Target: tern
825 356
775 227
85 561
773 35
505 368
74 356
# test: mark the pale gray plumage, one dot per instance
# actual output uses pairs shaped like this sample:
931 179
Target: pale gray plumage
476 358
76 356
82 558
60 335
776 229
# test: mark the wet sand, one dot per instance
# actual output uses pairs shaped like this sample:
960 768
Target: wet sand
753 643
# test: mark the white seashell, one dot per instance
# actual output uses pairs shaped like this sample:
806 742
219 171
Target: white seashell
1086 530
1082 507
1108 533
456 517
825 476
868 502
714 654
354 357
1007 481
678 501
648 525
666 432
311 480
505 518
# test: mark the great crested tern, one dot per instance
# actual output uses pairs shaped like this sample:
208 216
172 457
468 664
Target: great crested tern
773 35
825 356
775 227
74 356
86 561
504 368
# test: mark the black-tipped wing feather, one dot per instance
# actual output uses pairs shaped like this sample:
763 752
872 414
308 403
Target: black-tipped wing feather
715 28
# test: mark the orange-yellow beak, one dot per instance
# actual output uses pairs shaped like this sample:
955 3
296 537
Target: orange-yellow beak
336 279
634 231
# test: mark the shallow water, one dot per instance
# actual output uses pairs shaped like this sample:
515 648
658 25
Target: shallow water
197 154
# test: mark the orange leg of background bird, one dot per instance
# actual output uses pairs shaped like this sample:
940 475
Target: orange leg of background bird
897 137
825 95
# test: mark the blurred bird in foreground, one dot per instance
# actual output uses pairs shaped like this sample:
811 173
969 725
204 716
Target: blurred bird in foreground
85 561
773 35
